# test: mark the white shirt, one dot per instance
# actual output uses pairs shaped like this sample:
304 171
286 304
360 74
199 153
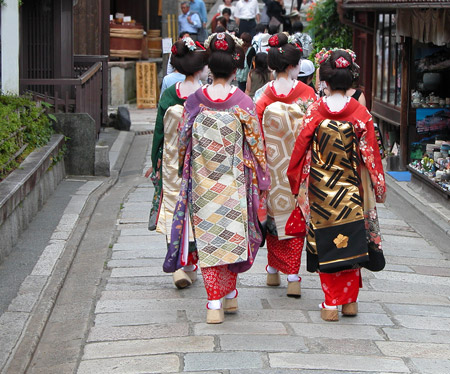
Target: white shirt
246 9
223 6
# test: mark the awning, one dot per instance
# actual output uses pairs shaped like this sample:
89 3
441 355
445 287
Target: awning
393 4
424 25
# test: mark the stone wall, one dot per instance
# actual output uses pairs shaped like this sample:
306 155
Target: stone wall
26 189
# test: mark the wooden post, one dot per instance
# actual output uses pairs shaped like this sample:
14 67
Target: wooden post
406 57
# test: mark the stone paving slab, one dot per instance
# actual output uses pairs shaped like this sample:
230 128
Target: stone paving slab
414 349
149 347
415 335
113 333
131 365
222 360
337 362
431 366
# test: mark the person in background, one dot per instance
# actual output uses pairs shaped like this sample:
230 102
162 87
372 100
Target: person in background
303 38
230 24
188 21
227 4
276 12
337 175
170 68
306 73
260 42
223 164
198 6
242 74
284 94
259 75
273 29
247 15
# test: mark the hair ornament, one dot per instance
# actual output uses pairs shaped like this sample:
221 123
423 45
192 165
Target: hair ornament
221 44
236 56
281 50
323 55
237 41
341 63
299 47
352 54
189 43
274 41
198 44
174 50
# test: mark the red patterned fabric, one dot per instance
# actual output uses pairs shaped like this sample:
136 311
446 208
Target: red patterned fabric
342 287
219 281
284 255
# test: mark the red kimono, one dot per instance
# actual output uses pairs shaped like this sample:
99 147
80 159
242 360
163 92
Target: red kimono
284 255
341 287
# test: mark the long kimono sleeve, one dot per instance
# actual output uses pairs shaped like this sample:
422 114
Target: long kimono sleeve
184 137
298 169
370 155
158 135
255 141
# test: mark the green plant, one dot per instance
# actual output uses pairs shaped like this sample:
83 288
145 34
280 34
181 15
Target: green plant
3 2
24 126
326 29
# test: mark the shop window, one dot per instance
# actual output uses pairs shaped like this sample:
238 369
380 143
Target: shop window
388 70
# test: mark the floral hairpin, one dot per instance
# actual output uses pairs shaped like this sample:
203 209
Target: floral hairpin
281 50
236 56
221 44
174 50
189 43
342 63
274 41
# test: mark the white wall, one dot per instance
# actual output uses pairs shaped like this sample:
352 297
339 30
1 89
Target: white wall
10 46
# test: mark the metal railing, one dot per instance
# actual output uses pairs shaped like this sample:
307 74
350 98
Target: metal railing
88 93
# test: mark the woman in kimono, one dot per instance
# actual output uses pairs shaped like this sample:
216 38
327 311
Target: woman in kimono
336 174
189 58
280 109
223 167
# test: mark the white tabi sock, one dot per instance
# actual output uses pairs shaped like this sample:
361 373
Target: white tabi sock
231 295
293 278
271 270
190 267
214 304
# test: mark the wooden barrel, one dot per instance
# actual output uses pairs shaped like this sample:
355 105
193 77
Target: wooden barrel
154 43
126 40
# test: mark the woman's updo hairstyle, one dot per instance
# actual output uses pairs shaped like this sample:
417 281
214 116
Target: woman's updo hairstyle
337 69
283 52
188 57
225 54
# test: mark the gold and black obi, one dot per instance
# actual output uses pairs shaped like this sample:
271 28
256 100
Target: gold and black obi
336 238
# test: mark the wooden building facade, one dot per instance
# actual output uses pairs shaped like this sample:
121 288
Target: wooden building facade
404 46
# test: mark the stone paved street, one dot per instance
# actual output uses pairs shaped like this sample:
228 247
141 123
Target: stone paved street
105 305
143 324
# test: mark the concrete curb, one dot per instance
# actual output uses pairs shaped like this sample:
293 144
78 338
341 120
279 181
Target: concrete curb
22 354
431 215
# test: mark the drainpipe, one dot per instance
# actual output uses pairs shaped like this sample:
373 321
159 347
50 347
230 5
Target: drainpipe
10 46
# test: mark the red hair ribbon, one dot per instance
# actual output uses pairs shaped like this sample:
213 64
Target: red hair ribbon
341 63
197 43
174 50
